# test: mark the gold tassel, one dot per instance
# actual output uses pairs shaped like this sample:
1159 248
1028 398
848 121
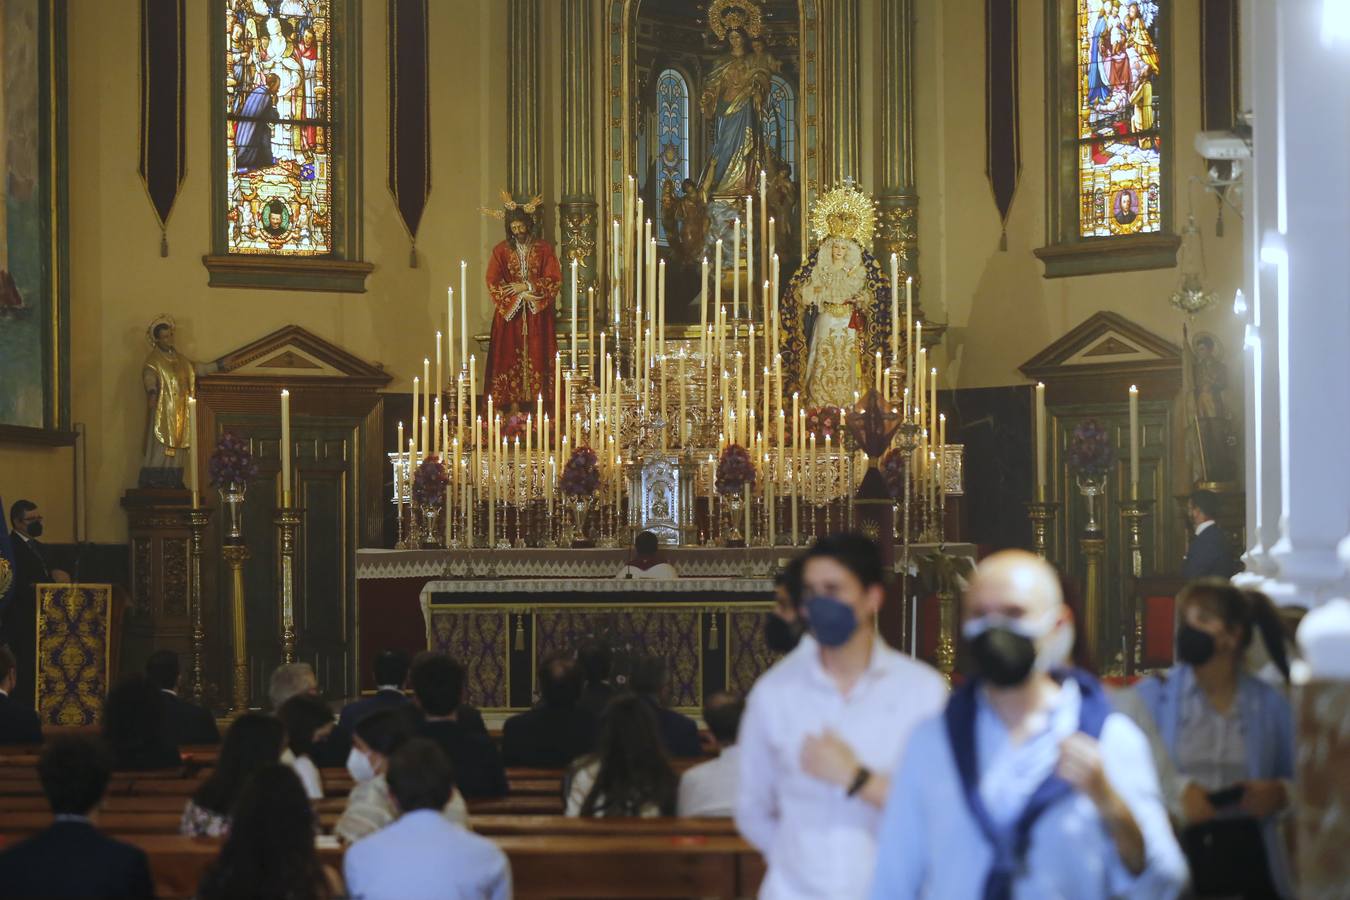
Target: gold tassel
412 257
163 242
712 635
520 633
1003 240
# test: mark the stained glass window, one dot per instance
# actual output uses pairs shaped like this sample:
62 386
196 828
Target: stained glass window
279 127
672 136
780 124
1119 121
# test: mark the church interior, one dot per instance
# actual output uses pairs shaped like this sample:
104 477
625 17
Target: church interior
331 329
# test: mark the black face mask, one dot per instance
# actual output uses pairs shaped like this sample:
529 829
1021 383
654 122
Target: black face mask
1194 647
34 529
1004 657
781 635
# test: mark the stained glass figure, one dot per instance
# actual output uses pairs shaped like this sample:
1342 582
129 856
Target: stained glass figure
672 136
1119 130
780 125
278 96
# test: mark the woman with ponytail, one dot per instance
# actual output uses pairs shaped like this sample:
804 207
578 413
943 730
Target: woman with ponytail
1230 737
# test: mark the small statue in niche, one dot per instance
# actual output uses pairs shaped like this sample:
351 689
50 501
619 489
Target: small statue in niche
169 379
685 216
1211 423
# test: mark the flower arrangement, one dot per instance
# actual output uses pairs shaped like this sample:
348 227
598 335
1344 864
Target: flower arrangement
893 471
735 470
1091 453
825 421
581 475
232 462
429 482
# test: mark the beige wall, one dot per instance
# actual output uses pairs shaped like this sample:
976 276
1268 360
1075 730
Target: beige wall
1000 309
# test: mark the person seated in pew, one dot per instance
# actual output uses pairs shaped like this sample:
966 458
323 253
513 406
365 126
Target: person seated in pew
556 731
18 724
308 720
253 741
469 717
678 732
646 561
424 856
709 789
438 684
391 671
370 806
630 773
596 661
292 679
188 722
784 625
71 858
271 851
136 727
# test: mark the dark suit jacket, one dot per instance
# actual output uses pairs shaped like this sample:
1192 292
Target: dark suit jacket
679 733
594 698
1209 556
189 723
72 859
19 626
477 765
548 737
18 723
358 709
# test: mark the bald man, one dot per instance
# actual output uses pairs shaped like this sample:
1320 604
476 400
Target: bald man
1029 784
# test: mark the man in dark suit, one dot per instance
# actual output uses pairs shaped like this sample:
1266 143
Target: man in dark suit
18 724
595 660
678 732
1210 554
188 723
32 565
391 671
556 731
438 684
71 858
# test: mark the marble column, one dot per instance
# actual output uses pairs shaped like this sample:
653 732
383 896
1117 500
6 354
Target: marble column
577 213
524 142
898 202
840 81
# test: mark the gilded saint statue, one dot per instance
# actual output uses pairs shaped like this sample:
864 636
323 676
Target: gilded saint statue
836 310
169 379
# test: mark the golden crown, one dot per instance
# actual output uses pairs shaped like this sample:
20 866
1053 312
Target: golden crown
728 15
844 212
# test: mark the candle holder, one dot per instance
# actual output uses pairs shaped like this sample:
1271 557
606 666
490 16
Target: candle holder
1042 514
236 554
197 521
733 536
1092 546
1134 512
287 520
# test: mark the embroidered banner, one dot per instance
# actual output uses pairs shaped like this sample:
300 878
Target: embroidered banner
163 92
1003 139
1218 64
409 114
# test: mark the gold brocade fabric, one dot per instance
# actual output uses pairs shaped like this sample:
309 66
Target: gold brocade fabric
177 382
72 649
834 373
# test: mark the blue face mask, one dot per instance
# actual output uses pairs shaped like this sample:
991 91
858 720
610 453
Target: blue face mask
832 621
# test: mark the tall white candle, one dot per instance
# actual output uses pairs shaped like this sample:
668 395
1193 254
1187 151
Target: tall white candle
425 447
749 256
400 471
463 309
575 300
735 274
1040 441
895 309
416 409
193 481
439 384
450 333
703 311
1134 442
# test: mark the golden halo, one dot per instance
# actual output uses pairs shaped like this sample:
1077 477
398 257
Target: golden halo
844 212
725 15
161 319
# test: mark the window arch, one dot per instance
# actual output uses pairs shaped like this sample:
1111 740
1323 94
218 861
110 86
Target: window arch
780 122
672 136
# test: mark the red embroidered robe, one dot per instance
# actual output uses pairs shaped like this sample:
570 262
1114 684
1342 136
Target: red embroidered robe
520 359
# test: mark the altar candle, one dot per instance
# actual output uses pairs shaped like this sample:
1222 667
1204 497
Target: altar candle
400 470
285 448
450 493
877 373
459 407
604 372
767 420
703 309
765 330
769 506
811 461
575 298
594 411
192 453
749 256
795 479
614 251
590 332
426 403
844 486
439 383
909 321
661 316
424 452
921 394
1040 441
516 485
932 401
473 389
679 386
491 434
942 447
751 367
529 437
436 436
445 440
557 398
735 274
416 403
1134 442
450 332
781 431
463 309
772 239
717 295
826 498
763 215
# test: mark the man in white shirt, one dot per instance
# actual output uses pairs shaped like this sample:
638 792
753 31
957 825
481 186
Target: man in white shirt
646 563
423 856
825 727
709 789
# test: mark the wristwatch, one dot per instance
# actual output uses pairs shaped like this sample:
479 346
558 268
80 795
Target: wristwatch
859 781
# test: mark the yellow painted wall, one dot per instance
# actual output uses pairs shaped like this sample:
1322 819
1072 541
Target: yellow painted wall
44 475
1000 309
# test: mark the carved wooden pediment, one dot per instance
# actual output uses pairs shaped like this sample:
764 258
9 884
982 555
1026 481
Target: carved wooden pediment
294 355
1105 344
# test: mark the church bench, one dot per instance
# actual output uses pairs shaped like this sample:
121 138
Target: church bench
501 826
120 822
517 806
134 803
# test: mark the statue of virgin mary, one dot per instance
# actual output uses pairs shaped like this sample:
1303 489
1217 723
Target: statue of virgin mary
835 311
735 96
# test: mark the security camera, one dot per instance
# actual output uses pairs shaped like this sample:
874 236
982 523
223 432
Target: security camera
1220 146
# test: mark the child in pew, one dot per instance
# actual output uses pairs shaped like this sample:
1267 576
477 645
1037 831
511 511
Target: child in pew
271 850
630 773
370 806
308 720
253 741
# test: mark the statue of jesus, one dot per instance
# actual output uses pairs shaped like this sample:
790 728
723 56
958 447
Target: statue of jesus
523 278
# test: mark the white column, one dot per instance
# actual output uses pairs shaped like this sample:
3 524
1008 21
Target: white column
1304 278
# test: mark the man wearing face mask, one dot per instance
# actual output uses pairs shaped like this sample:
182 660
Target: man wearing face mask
783 625
1029 784
32 565
823 729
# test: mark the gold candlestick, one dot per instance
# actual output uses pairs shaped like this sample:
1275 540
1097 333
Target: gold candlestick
1042 514
287 520
235 557
1134 512
197 519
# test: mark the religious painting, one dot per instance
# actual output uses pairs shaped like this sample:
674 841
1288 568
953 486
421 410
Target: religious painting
279 114
32 221
717 101
1119 127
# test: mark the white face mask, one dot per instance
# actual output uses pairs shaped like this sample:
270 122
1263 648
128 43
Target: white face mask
359 767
